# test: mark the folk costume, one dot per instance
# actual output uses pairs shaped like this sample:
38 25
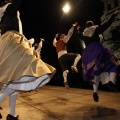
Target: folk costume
64 57
40 45
97 60
21 69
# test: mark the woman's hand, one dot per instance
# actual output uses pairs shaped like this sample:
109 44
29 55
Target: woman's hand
75 24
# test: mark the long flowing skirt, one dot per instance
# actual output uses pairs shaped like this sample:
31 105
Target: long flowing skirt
96 59
20 65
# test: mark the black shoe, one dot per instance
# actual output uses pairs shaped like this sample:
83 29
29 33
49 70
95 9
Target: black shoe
10 117
74 68
95 97
0 116
0 113
66 85
112 87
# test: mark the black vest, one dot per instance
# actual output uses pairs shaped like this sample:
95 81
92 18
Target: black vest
9 22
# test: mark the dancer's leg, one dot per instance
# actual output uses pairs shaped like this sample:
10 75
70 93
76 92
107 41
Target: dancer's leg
65 73
12 102
104 78
5 93
95 88
77 60
4 86
113 77
73 67
96 83
111 84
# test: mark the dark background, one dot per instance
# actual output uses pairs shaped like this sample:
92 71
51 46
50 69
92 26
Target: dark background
45 18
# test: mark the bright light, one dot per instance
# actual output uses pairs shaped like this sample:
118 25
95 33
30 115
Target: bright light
66 8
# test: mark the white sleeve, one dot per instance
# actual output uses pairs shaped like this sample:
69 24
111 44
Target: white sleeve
31 41
54 42
67 37
39 46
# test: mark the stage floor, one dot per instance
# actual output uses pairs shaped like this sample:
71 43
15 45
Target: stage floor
59 103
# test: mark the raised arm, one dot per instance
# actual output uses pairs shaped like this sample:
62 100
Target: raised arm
100 29
40 45
54 41
13 7
70 32
86 39
10 20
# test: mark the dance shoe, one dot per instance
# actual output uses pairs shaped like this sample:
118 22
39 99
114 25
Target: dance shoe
10 117
112 87
74 68
0 116
95 97
0 113
66 85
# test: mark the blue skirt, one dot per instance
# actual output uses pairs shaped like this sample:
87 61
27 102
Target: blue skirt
96 59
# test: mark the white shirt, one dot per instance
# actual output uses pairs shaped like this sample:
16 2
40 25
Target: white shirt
65 40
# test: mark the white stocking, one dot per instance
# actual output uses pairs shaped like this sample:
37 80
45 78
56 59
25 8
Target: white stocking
104 77
96 83
113 77
65 75
12 102
77 59
5 93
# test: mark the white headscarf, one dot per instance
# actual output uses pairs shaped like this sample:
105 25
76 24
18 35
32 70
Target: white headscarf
89 31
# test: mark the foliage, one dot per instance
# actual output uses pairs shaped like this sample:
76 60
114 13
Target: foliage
113 41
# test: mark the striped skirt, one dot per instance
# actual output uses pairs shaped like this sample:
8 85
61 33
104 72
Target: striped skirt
20 65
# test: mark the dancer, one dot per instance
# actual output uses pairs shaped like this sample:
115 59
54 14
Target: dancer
40 45
36 46
21 69
96 58
63 56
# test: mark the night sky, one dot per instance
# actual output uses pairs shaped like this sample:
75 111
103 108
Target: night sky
45 18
